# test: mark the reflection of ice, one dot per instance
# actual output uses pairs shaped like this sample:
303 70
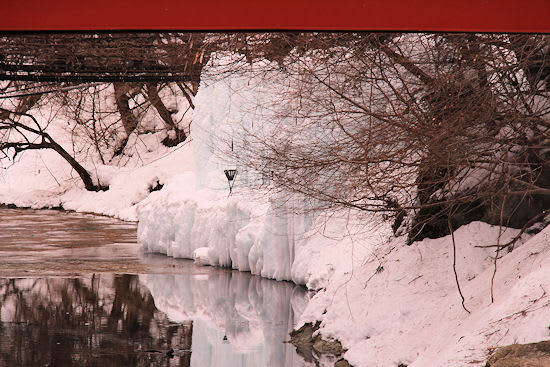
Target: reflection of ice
254 315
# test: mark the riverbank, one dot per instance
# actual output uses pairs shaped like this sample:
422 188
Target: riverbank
386 301
41 179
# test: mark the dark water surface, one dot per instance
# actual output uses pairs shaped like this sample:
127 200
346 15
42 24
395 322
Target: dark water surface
75 290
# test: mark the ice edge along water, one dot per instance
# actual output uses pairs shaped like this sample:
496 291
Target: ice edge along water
193 217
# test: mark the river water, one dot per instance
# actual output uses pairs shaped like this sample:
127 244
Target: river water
75 290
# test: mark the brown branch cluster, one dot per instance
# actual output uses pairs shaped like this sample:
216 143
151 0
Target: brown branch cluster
433 125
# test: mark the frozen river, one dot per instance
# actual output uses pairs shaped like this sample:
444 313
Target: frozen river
76 290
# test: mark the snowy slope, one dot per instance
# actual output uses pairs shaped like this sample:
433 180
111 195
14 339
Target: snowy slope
41 179
402 304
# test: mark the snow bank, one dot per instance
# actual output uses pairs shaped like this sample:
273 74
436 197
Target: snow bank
401 304
41 179
388 303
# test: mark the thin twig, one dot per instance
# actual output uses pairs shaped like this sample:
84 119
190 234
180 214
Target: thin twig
498 249
513 241
454 263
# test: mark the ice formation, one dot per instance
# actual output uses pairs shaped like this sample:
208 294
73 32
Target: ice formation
193 217
249 235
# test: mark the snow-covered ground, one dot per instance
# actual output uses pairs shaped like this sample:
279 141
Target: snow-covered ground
400 304
388 303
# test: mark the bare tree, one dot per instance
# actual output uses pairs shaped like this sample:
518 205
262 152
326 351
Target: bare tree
439 128
18 136
111 88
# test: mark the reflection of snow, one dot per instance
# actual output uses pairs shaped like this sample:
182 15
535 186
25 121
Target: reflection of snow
254 314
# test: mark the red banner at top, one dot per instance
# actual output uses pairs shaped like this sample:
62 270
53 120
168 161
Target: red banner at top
371 15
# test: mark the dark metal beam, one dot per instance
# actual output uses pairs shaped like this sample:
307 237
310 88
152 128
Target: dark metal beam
81 57
98 78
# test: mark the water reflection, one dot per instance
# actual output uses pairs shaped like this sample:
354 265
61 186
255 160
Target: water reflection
101 320
61 303
239 319
207 317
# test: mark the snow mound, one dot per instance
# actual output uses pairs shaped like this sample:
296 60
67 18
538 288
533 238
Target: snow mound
41 179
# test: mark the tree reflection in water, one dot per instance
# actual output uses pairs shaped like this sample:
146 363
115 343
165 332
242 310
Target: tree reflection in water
100 320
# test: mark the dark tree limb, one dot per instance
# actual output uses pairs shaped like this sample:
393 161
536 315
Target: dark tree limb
46 142
166 116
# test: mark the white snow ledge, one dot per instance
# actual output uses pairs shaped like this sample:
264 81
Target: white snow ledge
213 229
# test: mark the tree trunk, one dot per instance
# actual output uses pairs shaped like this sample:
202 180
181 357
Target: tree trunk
166 116
129 121
155 100
82 172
